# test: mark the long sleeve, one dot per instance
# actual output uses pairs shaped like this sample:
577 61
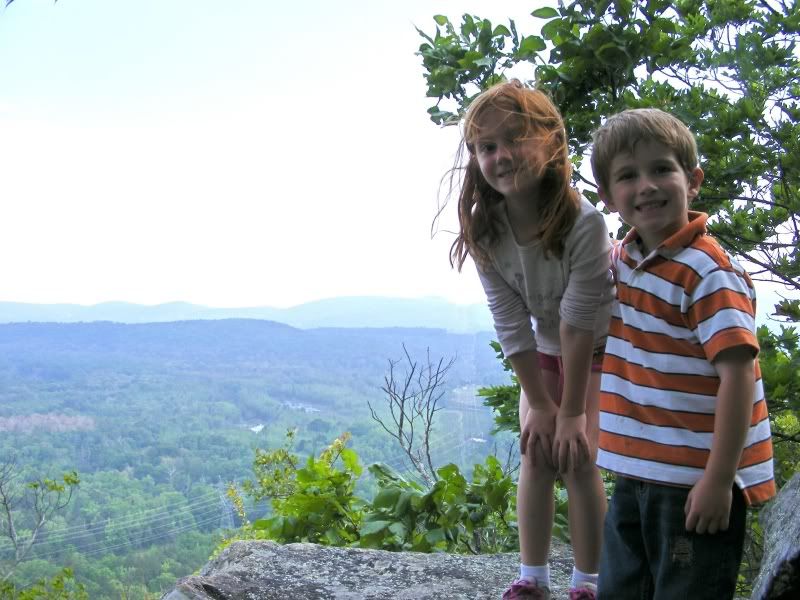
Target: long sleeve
512 321
589 288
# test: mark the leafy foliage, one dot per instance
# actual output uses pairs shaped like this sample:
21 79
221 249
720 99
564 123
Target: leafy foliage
318 503
503 399
728 68
455 515
780 367
455 60
154 416
60 587
26 507
321 505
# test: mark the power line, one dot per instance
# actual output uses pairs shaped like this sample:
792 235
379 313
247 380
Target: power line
204 510
100 546
76 532
170 533
120 526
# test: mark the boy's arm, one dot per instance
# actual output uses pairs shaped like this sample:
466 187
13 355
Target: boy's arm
570 445
709 503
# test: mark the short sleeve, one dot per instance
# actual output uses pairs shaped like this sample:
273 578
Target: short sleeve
722 311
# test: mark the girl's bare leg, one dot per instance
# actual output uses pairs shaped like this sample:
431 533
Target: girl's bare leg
587 497
535 505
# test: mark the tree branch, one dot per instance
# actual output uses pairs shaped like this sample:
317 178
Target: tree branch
413 402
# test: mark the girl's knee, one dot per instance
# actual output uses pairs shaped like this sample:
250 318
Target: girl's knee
539 469
587 474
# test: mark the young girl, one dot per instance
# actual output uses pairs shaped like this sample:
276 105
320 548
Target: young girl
542 253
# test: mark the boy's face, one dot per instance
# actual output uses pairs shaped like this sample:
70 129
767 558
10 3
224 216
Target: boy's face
651 191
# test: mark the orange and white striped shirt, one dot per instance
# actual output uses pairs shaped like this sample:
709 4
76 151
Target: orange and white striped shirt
675 311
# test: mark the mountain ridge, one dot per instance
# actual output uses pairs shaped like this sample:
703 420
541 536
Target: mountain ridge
345 311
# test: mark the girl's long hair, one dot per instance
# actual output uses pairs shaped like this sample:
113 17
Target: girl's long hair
479 206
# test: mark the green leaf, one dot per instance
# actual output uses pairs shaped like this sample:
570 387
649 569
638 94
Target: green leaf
623 8
372 527
350 460
440 19
546 12
399 530
601 7
469 59
531 44
449 472
403 502
264 524
551 29
612 54
386 498
383 471
434 536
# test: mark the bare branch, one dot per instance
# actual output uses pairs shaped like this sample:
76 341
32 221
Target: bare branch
413 400
784 437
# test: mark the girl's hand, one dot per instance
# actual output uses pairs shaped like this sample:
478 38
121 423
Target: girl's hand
570 445
538 428
708 507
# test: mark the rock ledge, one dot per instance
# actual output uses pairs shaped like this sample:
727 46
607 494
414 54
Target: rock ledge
263 570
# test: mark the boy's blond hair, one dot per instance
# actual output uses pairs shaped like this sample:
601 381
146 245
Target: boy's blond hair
621 132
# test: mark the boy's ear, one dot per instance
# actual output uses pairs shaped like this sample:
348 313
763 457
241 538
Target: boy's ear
696 177
606 199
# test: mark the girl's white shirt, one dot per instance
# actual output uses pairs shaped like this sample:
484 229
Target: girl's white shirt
529 294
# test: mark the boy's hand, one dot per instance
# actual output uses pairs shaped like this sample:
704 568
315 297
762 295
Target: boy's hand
539 427
570 445
708 506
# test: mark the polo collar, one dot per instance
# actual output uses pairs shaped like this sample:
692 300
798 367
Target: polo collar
673 244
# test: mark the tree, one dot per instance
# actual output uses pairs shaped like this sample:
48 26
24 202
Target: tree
728 68
25 508
413 401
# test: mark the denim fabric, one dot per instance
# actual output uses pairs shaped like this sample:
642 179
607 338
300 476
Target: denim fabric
648 554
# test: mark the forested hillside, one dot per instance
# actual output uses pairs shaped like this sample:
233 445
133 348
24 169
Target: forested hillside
156 418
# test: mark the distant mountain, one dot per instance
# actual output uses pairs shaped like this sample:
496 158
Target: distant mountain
357 311
288 358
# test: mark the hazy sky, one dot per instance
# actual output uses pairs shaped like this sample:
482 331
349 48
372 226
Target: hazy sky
227 153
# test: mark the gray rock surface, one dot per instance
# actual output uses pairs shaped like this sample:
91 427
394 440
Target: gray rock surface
262 570
779 577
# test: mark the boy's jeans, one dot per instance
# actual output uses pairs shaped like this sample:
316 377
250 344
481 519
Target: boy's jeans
648 554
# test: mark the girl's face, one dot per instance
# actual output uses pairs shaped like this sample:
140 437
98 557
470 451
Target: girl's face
510 159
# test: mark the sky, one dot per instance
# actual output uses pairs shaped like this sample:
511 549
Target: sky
230 154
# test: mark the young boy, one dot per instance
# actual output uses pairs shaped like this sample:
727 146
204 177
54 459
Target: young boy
683 421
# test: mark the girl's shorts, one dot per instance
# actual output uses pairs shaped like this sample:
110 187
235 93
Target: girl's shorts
548 362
